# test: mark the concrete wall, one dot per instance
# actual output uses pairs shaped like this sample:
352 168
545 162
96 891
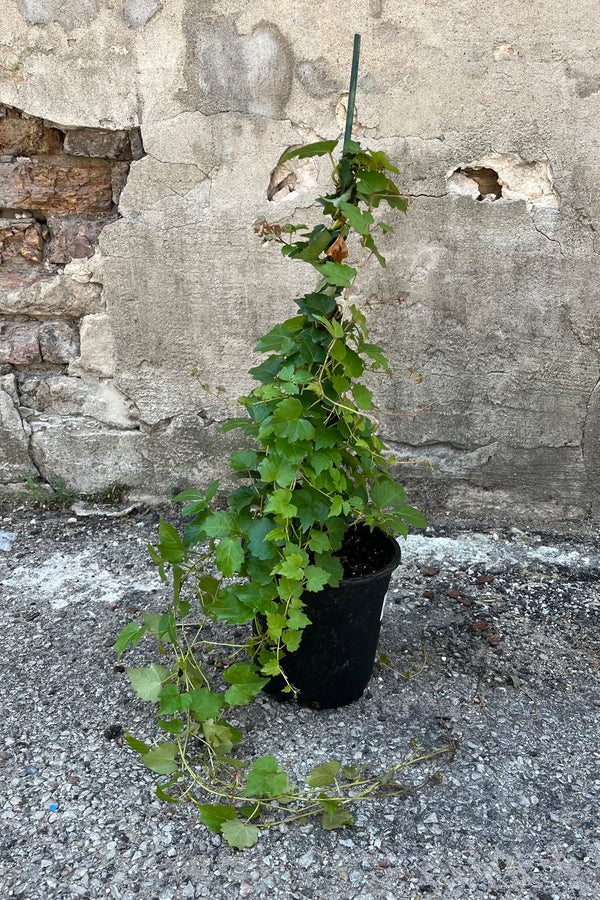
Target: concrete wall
490 110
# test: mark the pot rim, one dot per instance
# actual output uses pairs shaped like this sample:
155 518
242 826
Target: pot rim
389 567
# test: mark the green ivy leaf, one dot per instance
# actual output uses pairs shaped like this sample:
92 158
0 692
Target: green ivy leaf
289 410
227 608
335 815
241 498
213 815
360 220
257 531
266 779
387 493
135 744
280 503
319 541
310 250
311 506
171 726
162 795
337 273
239 834
277 469
297 620
162 758
271 668
148 682
257 597
318 148
371 182
131 634
371 245
277 340
221 736
233 423
171 700
411 515
229 556
291 567
243 459
220 524
363 396
245 683
204 704
316 578
323 775
188 496
170 545
376 354
291 639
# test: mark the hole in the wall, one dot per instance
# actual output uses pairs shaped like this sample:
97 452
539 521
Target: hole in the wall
505 177
59 187
486 180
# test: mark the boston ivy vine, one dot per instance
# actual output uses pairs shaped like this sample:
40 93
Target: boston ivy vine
315 468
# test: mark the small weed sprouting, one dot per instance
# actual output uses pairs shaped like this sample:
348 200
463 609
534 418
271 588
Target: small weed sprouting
44 494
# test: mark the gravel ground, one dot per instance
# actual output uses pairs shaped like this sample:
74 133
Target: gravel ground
508 626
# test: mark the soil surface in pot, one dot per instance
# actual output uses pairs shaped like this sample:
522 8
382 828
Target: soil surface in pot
363 552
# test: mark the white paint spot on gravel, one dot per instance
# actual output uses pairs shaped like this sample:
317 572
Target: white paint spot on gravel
64 579
487 551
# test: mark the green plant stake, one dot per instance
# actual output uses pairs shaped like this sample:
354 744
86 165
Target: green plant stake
345 168
314 468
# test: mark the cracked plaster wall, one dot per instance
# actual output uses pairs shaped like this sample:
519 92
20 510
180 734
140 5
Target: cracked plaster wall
501 311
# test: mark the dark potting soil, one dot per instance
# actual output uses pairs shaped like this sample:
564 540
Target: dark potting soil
363 552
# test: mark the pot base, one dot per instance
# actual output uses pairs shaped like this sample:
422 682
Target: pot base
334 662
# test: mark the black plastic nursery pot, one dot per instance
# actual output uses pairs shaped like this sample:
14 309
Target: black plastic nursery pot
334 662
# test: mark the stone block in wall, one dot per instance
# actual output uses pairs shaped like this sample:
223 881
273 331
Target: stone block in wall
90 455
97 347
58 295
21 242
57 186
45 396
59 342
95 457
23 136
72 238
19 343
15 463
98 142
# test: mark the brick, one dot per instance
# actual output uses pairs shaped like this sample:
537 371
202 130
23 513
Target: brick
21 242
14 280
73 239
98 142
57 186
19 343
21 136
59 342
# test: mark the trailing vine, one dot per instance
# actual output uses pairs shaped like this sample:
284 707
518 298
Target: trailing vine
315 468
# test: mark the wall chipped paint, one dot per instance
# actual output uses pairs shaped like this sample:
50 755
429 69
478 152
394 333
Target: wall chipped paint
501 294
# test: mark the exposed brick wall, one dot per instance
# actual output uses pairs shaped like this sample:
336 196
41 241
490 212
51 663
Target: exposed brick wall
59 187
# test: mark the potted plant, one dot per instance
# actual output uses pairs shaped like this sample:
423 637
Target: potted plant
304 550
